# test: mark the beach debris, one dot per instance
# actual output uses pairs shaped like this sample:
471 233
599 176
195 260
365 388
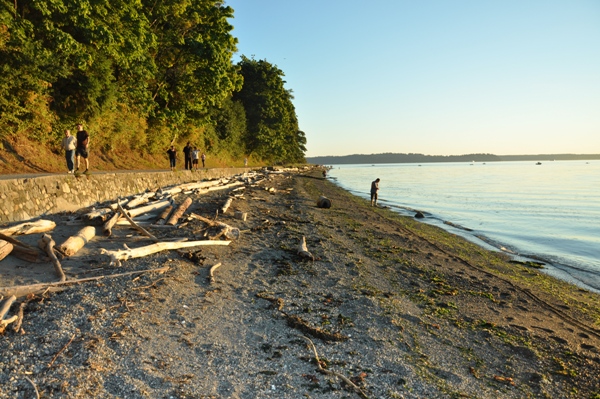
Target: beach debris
136 226
4 310
47 244
76 242
226 205
303 250
179 211
419 215
507 380
109 224
219 228
323 370
39 226
324 202
123 254
211 275
23 251
40 288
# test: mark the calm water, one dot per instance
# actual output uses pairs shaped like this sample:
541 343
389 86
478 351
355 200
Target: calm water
548 212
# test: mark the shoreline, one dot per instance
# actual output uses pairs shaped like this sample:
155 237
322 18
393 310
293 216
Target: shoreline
418 312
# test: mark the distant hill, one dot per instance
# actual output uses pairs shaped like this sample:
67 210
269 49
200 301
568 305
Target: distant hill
421 158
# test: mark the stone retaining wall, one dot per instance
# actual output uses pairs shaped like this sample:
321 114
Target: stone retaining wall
27 198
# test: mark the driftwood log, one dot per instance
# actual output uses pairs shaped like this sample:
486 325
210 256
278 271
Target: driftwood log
48 244
4 310
164 216
324 202
76 242
139 200
121 255
303 250
5 249
24 251
179 211
40 288
110 223
154 206
97 216
222 229
39 226
226 205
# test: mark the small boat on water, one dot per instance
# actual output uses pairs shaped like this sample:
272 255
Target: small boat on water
538 163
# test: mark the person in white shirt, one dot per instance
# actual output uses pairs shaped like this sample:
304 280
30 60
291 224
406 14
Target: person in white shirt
69 143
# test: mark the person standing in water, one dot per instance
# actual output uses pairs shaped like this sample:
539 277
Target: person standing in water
374 190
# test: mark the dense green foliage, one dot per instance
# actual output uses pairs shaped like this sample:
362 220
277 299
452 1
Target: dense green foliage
140 74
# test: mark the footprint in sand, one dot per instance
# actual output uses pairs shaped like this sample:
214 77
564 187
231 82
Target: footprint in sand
584 335
589 347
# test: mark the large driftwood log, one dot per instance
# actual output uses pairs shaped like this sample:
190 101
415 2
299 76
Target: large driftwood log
117 256
230 232
5 249
24 251
40 288
76 242
179 211
139 200
39 226
303 250
4 310
164 216
47 244
155 206
226 186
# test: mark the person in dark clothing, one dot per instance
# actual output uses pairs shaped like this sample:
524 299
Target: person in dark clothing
172 157
374 190
83 141
187 151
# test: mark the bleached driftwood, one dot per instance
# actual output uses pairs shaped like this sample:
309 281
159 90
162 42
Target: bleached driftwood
115 206
39 226
4 310
139 200
110 223
97 216
223 229
226 205
117 256
47 244
226 186
135 225
155 206
303 250
179 211
162 218
76 242
190 186
324 202
35 289
5 249
240 215
211 275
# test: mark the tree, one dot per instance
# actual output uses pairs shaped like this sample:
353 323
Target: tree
272 125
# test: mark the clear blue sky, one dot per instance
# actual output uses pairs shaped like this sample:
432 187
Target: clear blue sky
438 77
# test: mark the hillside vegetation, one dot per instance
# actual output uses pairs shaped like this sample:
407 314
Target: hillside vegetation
139 76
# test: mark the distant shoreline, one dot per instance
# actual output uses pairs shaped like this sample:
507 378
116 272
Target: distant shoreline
422 158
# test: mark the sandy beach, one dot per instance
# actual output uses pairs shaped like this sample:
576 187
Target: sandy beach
399 308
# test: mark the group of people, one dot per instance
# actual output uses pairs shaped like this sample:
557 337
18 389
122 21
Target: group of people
191 155
76 146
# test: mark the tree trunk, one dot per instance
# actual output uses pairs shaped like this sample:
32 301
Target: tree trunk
179 211
76 242
39 226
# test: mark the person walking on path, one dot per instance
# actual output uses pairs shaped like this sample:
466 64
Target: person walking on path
374 190
245 162
69 143
83 141
203 157
187 152
195 156
172 157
